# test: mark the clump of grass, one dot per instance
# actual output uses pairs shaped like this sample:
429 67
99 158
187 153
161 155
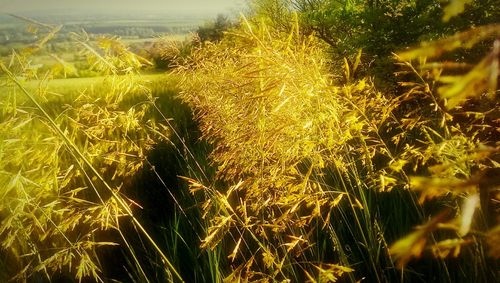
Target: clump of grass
266 102
306 162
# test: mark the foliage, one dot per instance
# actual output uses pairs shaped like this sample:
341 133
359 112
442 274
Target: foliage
377 27
213 31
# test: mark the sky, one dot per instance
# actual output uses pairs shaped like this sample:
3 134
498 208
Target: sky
104 6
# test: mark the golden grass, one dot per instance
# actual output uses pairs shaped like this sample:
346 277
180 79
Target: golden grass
295 150
303 162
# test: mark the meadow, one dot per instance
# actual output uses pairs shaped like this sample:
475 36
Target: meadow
302 143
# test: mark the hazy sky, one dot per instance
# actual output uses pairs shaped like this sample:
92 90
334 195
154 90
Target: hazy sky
160 6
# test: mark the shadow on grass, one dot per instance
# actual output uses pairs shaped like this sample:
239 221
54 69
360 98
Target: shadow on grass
164 205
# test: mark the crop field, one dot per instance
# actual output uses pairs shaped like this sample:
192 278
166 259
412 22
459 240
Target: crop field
305 141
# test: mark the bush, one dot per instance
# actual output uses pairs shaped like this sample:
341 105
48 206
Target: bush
166 53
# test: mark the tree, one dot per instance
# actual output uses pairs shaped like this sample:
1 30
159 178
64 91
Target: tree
213 31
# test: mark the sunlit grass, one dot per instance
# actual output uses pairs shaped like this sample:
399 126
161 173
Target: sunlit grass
306 161
68 149
275 169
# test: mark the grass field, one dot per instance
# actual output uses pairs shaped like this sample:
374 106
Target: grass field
72 86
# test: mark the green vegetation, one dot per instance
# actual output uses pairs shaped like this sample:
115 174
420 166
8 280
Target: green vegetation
313 141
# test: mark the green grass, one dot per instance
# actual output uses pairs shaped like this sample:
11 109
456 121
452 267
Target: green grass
73 86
